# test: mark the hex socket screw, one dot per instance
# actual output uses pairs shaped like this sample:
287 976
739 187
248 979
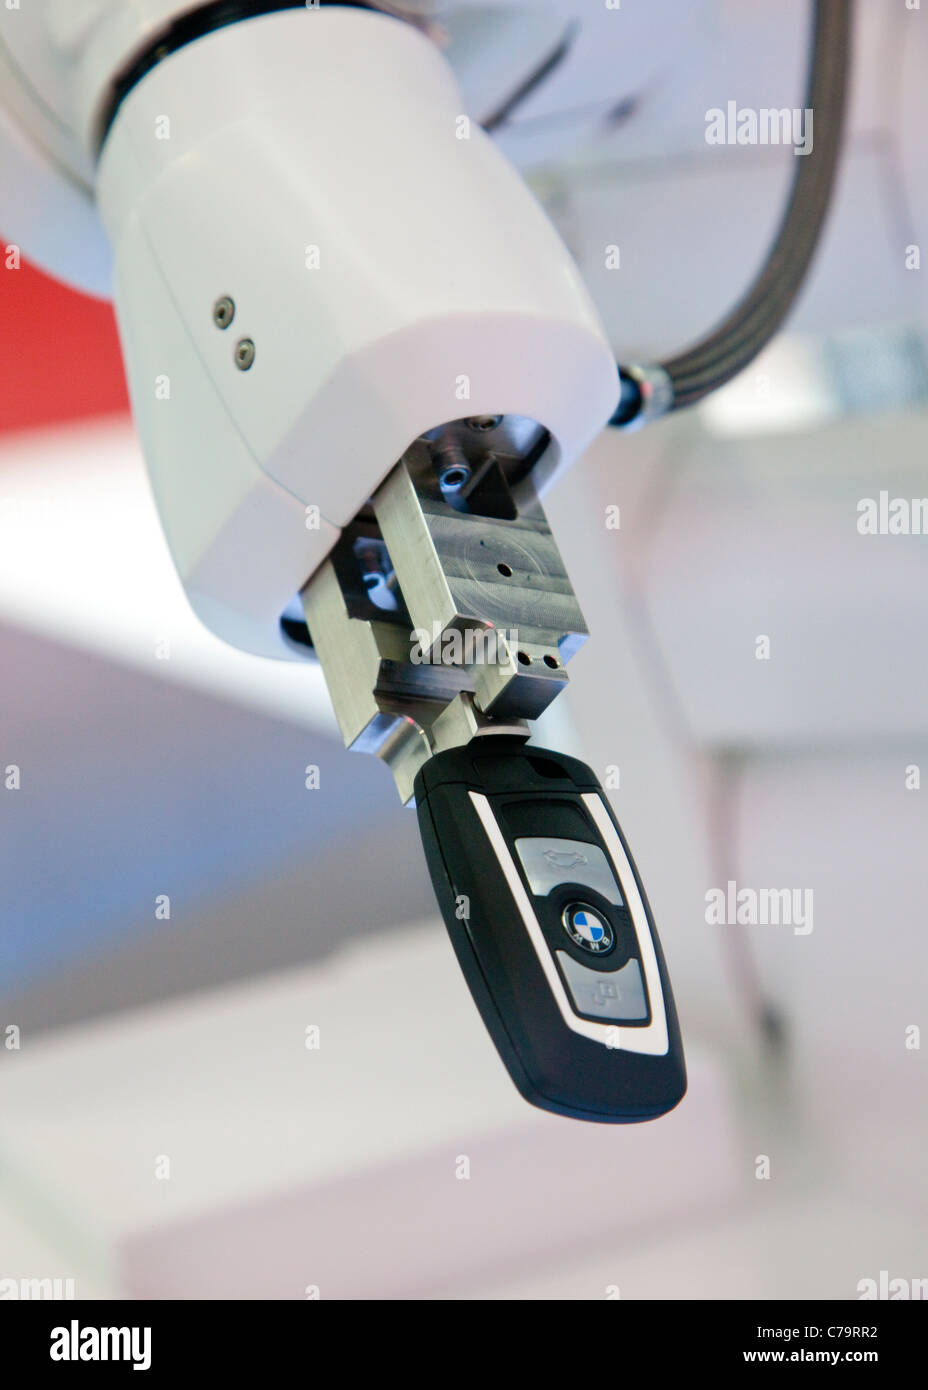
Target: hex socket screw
244 354
223 311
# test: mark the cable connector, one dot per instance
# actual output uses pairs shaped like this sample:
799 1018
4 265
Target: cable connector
647 394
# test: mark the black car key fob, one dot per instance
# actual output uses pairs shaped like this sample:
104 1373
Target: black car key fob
551 926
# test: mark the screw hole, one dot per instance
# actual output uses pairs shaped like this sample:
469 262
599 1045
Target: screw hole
504 570
454 478
524 657
551 661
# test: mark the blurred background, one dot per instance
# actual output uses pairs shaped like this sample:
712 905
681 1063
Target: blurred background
178 909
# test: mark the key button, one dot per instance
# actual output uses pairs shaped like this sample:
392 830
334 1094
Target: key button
617 997
549 862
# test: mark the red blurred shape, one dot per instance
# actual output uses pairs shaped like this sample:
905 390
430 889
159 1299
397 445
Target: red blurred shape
59 352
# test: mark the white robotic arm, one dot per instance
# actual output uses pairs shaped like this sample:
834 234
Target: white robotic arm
319 258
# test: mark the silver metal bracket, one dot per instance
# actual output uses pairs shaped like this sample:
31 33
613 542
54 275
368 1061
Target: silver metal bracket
444 611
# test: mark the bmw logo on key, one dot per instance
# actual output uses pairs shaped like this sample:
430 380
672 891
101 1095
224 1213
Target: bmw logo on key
588 928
